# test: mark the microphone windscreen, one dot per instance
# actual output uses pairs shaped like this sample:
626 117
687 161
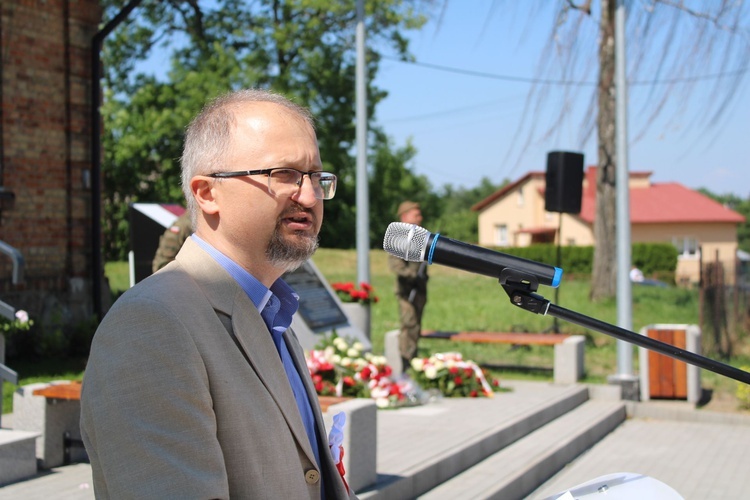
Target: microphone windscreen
406 241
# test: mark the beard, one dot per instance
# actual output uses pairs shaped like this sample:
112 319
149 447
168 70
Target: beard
291 252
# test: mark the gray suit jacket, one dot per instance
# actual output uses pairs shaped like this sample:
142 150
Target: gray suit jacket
185 395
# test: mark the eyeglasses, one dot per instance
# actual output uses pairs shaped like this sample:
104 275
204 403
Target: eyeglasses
285 181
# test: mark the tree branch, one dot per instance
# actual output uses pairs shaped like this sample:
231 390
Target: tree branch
714 19
585 7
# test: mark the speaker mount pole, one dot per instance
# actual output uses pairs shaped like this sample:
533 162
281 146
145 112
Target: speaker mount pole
555 325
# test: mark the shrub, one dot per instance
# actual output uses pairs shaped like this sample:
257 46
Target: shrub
654 259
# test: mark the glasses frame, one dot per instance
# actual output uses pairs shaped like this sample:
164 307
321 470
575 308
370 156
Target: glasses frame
268 171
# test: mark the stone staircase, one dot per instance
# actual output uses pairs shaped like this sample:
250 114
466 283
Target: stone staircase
501 447
17 455
513 458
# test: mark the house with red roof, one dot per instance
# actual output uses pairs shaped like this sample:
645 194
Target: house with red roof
701 228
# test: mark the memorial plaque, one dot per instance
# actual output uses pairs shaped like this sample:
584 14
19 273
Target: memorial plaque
320 310
317 306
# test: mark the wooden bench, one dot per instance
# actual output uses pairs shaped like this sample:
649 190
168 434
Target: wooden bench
69 391
499 338
569 349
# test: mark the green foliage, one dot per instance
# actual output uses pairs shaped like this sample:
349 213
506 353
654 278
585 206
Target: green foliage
301 48
19 325
652 258
392 182
738 205
57 339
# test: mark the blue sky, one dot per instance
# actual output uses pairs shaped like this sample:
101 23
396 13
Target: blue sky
465 126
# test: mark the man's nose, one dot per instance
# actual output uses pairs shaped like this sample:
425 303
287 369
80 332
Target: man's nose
305 194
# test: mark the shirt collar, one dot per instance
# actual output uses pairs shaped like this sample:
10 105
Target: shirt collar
257 291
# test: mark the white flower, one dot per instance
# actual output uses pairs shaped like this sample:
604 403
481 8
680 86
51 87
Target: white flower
430 372
378 392
382 402
346 362
22 316
340 344
358 346
329 352
353 353
336 359
417 364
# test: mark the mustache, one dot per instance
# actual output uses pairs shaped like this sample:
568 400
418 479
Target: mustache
297 209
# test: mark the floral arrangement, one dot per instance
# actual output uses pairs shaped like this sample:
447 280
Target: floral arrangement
453 376
348 292
340 369
22 323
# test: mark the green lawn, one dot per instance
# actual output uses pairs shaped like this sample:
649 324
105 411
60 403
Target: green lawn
463 301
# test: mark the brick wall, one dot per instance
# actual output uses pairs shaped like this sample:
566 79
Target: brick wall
46 85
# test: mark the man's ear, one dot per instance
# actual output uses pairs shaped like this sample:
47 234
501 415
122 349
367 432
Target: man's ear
204 194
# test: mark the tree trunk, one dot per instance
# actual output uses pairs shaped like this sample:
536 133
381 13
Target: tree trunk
604 278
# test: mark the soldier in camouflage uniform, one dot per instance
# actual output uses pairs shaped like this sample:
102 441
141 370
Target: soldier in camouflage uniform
171 241
411 290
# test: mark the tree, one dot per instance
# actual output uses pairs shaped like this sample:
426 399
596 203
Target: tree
738 205
392 182
301 48
675 43
456 219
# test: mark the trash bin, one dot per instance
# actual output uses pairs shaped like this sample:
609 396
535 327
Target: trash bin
663 377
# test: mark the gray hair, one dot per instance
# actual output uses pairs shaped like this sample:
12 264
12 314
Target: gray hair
209 136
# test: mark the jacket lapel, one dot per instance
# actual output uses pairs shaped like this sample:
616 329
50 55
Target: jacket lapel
251 333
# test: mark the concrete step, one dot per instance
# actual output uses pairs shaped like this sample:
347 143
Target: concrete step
17 455
430 449
517 470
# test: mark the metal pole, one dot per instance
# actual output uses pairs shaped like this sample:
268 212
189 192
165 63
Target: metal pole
97 260
624 290
362 194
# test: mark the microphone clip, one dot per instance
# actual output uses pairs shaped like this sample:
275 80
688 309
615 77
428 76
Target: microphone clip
514 277
520 287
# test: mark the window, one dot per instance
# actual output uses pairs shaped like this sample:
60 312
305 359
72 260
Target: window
520 197
687 246
501 235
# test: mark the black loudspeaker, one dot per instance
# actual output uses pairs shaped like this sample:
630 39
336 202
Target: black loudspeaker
564 180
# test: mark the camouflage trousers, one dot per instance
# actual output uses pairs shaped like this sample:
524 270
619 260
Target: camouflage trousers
410 316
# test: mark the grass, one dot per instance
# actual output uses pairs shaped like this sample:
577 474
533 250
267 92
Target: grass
463 301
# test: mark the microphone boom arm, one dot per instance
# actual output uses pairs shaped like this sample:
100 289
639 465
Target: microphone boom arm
522 295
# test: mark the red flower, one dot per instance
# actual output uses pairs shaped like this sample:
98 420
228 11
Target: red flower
366 373
473 394
453 370
348 292
348 381
458 380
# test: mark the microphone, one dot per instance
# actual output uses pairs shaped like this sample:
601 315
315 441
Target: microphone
415 244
